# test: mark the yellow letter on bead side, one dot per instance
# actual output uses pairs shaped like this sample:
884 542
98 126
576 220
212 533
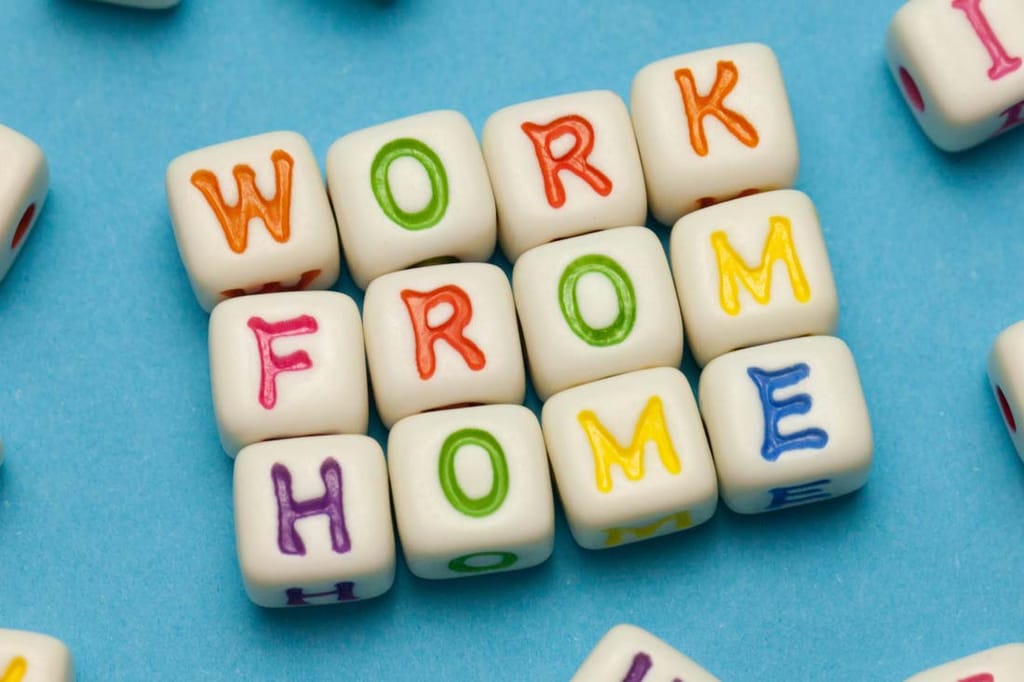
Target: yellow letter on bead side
616 536
732 270
650 427
15 670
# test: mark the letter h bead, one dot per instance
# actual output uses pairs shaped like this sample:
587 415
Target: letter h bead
313 521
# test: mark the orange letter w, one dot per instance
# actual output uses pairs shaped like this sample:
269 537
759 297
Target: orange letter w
234 220
698 106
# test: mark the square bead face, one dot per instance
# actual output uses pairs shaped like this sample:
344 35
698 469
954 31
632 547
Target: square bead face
32 657
284 365
787 422
411 191
960 66
629 654
1006 376
563 166
751 271
24 181
630 458
441 336
252 216
711 126
313 521
1001 664
472 491
595 306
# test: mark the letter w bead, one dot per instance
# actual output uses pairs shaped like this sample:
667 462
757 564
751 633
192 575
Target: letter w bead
234 220
699 106
332 504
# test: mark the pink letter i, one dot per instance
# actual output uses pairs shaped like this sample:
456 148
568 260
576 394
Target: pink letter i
1002 63
272 364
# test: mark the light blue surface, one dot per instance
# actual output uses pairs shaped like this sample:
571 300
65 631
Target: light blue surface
116 528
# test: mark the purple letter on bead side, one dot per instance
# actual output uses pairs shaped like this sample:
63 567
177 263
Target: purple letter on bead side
642 663
344 592
289 511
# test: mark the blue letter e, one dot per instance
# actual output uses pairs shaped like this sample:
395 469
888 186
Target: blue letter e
776 410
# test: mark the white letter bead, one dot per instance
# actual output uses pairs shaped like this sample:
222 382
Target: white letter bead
441 336
563 166
252 216
1001 664
751 271
410 191
24 181
472 491
630 458
313 521
595 306
960 65
787 422
285 365
628 654
713 125
1006 375
32 657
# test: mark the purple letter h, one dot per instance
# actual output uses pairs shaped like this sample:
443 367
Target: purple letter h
289 511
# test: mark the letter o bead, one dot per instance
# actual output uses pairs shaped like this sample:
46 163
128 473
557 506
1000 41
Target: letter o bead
630 458
410 191
313 521
787 423
472 491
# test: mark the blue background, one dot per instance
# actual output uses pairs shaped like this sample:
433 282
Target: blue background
116 529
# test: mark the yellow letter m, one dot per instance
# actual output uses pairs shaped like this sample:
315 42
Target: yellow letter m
732 271
607 451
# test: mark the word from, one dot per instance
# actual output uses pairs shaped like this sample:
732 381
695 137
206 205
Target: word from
272 364
607 451
625 296
234 220
1002 63
343 592
419 304
575 160
698 106
495 497
642 663
289 511
431 214
776 410
798 494
679 521
733 271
